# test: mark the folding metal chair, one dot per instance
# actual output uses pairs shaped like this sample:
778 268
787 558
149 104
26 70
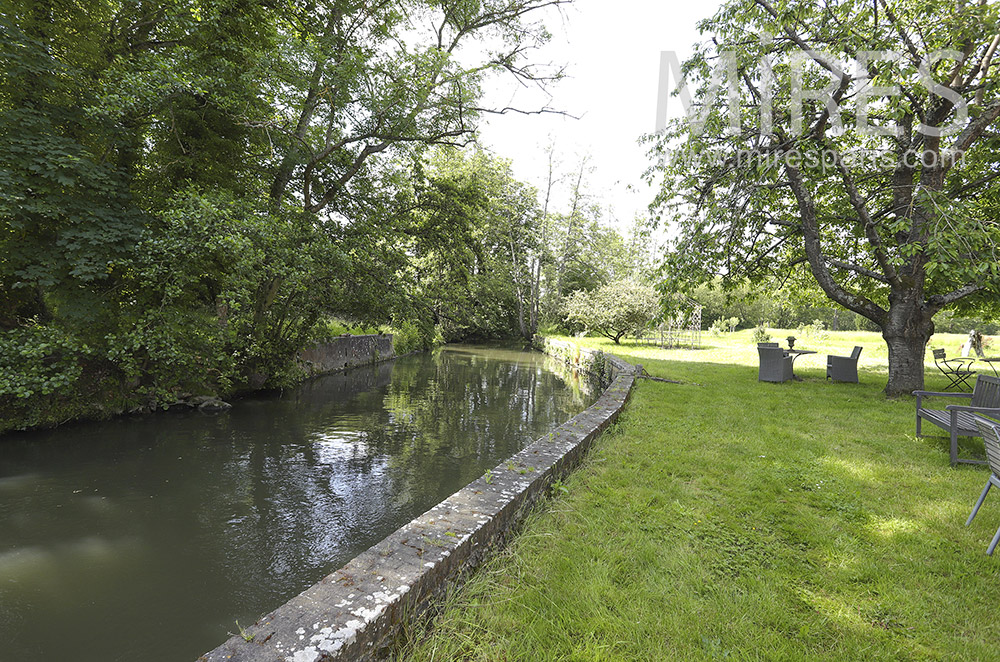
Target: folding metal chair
957 370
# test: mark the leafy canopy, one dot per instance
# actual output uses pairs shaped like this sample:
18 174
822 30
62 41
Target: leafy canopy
848 142
615 309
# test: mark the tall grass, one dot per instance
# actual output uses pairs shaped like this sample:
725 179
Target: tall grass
726 518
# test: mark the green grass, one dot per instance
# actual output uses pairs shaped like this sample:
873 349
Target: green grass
731 519
330 328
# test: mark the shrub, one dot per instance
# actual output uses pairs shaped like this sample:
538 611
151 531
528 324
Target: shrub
45 377
39 360
760 334
409 336
816 330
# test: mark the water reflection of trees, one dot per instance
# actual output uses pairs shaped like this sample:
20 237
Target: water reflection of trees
332 470
218 518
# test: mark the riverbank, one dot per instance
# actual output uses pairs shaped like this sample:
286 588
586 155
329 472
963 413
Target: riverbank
100 396
726 518
360 611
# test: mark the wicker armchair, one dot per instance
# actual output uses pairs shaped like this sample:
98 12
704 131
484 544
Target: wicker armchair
991 438
775 364
843 368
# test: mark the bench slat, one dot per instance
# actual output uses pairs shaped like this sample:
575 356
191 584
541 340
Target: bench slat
942 419
985 394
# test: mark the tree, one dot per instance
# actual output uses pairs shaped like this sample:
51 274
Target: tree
474 241
583 252
377 78
187 186
614 309
881 180
577 241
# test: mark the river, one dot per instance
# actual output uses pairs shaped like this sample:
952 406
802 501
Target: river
150 539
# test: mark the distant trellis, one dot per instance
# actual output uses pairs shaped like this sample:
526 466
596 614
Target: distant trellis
680 328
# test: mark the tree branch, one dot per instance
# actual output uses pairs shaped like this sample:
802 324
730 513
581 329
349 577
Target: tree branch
818 261
801 43
942 300
974 130
871 232
858 269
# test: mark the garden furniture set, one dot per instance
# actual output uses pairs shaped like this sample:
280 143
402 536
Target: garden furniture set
776 364
959 370
964 419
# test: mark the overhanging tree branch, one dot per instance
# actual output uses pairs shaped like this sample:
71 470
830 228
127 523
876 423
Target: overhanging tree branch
814 251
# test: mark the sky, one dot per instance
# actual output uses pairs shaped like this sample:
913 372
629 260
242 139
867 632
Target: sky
612 52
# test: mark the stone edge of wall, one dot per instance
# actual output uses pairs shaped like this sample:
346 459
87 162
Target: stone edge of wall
346 352
593 361
359 611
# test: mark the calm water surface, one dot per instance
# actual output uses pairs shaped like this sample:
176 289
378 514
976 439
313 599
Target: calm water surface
147 539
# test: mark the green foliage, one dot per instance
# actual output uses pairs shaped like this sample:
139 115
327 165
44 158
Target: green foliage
225 293
39 360
473 235
47 376
166 352
328 328
407 337
614 309
66 215
583 253
784 310
948 322
760 334
189 188
891 222
814 331
720 325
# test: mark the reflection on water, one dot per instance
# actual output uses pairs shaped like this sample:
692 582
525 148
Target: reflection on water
148 538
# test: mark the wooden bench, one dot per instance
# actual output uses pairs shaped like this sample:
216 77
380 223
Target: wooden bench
958 420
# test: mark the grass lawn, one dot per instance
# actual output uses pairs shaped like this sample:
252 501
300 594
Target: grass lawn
731 519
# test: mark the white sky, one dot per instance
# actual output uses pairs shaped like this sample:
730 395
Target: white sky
612 50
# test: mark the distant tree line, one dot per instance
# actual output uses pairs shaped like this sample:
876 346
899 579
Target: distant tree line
782 309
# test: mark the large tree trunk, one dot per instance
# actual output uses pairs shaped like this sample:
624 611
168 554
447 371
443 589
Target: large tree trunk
908 328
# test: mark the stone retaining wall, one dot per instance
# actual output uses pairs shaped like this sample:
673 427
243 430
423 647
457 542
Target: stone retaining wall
346 352
357 612
605 366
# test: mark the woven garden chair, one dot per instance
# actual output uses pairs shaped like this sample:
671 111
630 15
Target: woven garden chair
957 370
843 368
775 364
991 438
